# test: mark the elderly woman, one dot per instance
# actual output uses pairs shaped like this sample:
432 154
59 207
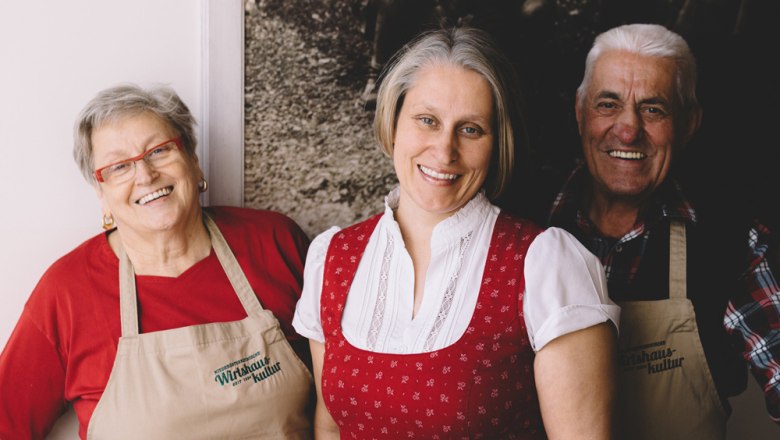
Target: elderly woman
167 325
444 317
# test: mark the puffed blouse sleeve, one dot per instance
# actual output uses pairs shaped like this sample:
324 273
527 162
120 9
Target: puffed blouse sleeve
307 312
565 288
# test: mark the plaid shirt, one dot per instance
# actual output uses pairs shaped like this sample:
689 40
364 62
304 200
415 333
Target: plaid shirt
621 257
752 317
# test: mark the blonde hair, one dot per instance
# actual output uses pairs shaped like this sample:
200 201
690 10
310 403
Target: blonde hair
470 49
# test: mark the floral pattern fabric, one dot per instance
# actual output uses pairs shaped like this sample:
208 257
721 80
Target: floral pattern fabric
480 387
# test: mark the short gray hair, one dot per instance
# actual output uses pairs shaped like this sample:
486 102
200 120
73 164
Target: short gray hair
649 40
467 48
126 100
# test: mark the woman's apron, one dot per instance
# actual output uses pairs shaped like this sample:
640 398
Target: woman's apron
225 380
666 389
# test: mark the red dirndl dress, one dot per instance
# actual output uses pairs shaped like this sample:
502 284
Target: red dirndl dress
481 387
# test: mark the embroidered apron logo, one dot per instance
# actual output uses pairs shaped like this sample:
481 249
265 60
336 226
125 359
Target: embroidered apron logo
244 370
655 357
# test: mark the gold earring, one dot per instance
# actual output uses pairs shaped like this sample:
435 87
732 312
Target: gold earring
108 222
203 185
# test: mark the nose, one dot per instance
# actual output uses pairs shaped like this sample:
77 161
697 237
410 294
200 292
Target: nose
445 148
144 173
628 126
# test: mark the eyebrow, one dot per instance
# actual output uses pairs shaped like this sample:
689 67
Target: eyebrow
653 100
608 95
147 142
425 107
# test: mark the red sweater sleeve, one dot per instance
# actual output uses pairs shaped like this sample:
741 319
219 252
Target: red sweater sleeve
32 381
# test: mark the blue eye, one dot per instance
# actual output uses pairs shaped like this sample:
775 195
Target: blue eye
159 152
120 167
653 112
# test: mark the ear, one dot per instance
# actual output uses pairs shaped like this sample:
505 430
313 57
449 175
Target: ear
694 122
98 190
195 164
199 172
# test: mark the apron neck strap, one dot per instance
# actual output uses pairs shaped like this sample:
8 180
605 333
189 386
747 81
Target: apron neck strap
677 261
128 302
232 269
128 307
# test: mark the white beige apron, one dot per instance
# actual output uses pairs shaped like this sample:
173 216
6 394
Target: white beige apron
666 389
232 380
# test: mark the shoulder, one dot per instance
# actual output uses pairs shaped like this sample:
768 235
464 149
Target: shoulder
233 218
558 245
367 225
359 231
266 238
322 242
71 283
257 226
523 227
94 254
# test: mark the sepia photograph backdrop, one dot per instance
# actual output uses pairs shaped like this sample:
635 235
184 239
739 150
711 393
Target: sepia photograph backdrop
310 151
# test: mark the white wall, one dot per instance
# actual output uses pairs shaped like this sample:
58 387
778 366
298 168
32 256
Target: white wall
54 56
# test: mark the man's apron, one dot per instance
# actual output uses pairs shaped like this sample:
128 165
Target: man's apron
225 380
666 389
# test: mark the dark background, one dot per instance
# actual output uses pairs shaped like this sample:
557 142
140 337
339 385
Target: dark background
310 150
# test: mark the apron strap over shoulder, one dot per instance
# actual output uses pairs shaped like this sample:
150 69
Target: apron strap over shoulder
128 298
128 306
232 269
677 261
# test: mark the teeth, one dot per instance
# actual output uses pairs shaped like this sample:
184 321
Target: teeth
630 155
155 195
442 176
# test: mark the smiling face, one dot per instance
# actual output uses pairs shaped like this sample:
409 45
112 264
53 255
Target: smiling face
443 141
155 199
631 124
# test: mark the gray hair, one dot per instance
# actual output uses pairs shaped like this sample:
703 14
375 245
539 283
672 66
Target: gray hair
126 100
649 40
466 48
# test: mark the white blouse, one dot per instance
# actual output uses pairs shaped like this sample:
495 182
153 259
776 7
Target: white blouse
565 287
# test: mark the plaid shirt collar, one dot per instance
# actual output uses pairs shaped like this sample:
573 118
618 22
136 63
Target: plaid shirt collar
669 202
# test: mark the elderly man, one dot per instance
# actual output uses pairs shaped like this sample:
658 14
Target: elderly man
674 275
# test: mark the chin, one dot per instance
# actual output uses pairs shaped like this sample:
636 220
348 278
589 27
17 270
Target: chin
446 208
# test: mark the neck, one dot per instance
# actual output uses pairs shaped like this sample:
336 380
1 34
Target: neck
164 253
613 217
416 224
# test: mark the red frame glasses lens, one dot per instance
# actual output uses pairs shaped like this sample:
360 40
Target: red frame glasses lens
99 171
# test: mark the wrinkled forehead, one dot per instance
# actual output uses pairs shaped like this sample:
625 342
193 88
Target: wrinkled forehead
635 77
129 134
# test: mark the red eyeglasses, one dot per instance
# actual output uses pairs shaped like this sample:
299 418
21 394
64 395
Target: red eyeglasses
124 170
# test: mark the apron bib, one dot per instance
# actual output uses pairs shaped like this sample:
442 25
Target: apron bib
225 380
666 389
